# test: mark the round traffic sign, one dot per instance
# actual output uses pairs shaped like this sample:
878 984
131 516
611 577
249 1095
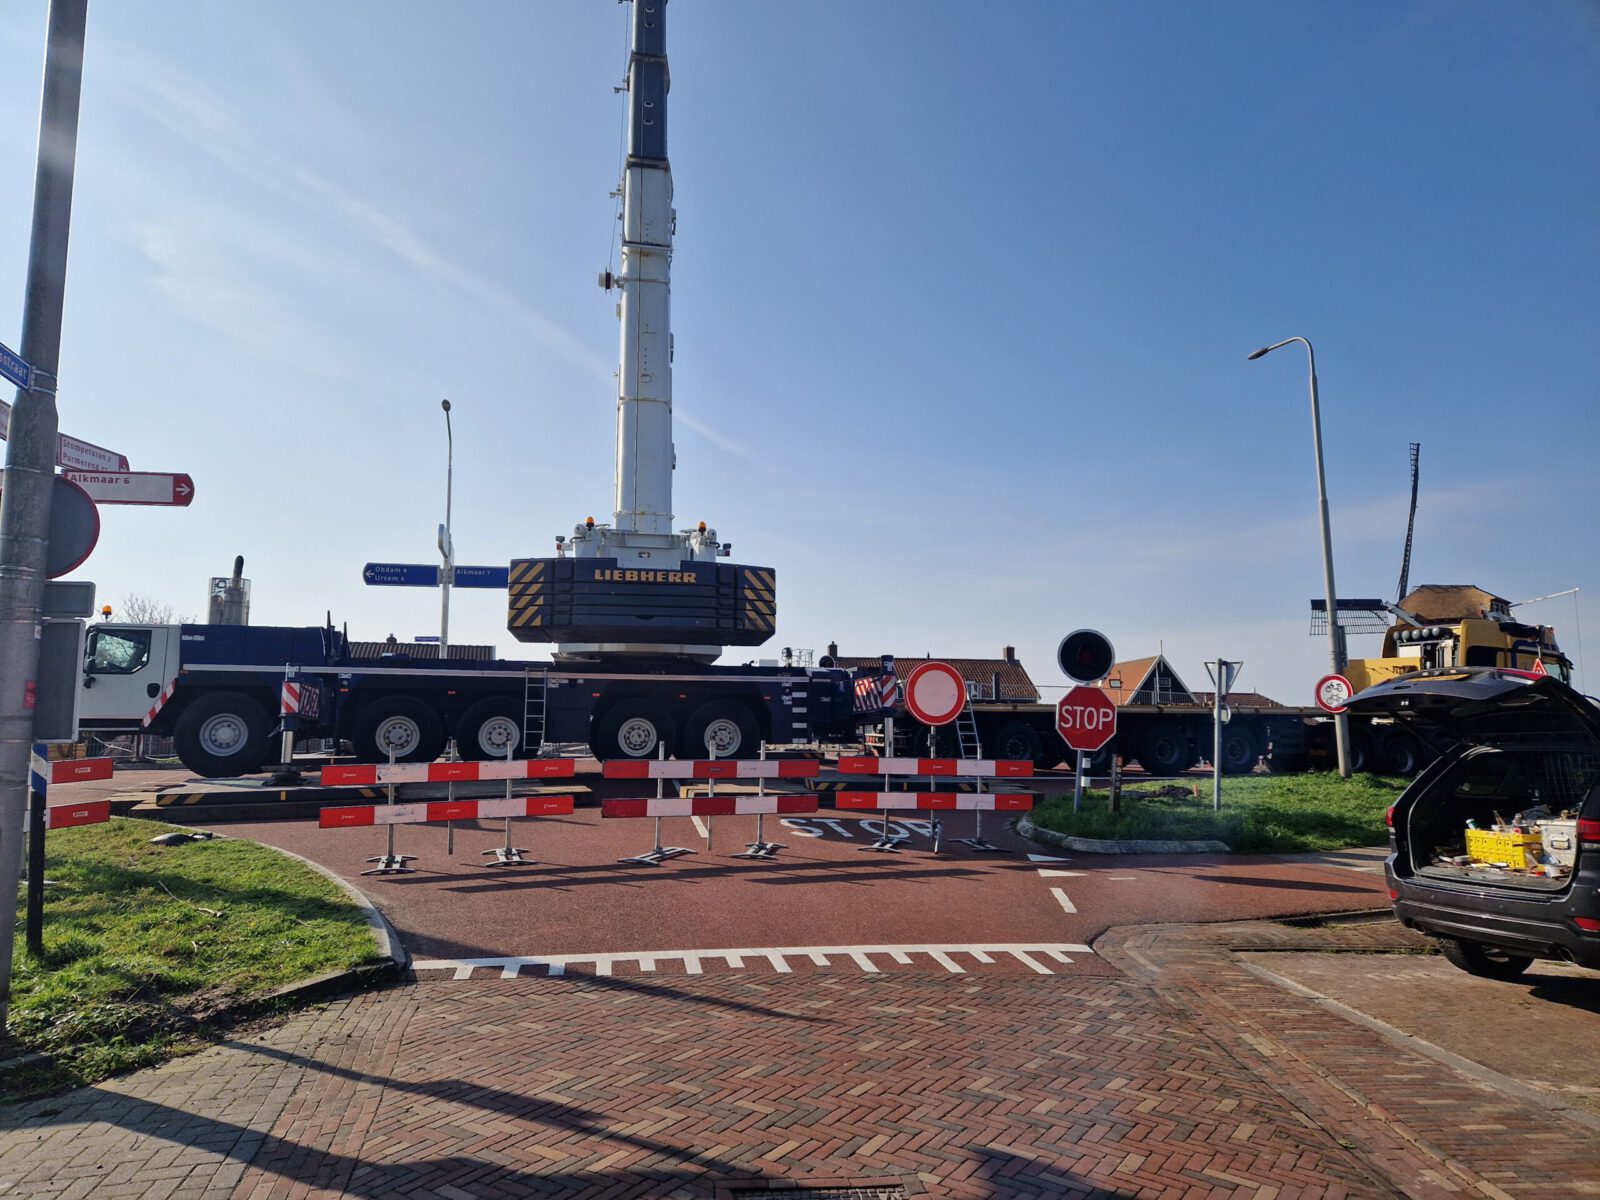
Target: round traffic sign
1086 718
1332 692
935 693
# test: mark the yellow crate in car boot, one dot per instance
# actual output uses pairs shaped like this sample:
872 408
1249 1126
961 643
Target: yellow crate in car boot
1493 846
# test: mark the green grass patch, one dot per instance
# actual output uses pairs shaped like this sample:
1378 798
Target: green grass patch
1261 814
145 946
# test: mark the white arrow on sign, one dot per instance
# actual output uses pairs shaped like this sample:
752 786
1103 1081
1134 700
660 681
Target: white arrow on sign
70 452
134 487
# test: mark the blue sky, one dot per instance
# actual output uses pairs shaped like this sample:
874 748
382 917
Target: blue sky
962 298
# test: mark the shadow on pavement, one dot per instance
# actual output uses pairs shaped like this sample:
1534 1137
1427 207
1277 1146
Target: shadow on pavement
1298 885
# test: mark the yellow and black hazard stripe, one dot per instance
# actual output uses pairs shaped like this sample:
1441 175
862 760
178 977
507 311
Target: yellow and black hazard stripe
526 593
758 599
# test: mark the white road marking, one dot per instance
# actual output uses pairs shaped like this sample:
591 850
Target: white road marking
1046 858
555 965
1061 898
700 825
1121 878
1048 874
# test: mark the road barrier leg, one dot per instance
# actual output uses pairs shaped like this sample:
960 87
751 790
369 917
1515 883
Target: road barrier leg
390 863
761 848
506 855
659 853
976 842
889 843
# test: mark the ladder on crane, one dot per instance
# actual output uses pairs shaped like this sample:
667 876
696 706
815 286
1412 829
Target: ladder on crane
967 729
535 684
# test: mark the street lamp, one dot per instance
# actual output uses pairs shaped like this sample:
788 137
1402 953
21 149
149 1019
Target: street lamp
446 547
1341 721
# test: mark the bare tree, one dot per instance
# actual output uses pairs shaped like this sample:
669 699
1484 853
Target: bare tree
146 610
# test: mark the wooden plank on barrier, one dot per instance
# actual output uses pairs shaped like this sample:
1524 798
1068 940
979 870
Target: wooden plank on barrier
425 811
969 768
711 768
369 774
934 801
707 806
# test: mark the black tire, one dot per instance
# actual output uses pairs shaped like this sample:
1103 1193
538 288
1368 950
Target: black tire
632 729
1361 756
486 729
722 725
1165 751
1241 749
1019 740
223 734
401 724
1400 754
1487 961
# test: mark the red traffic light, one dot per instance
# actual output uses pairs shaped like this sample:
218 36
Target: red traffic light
1085 655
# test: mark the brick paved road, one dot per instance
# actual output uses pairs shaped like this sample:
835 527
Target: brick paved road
1190 1077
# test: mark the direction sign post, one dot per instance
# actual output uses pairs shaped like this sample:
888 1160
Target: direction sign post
400 574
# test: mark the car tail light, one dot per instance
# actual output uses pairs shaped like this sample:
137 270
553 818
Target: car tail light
1388 816
1589 829
1588 924
1393 895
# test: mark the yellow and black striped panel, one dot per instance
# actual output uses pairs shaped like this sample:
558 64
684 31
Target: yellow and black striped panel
758 599
527 593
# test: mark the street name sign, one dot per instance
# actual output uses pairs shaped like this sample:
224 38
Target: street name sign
16 368
425 575
483 577
1086 718
400 574
134 487
72 452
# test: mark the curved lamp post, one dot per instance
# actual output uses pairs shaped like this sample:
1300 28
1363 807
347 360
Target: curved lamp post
1341 721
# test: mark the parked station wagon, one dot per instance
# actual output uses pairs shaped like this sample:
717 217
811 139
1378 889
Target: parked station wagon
1495 848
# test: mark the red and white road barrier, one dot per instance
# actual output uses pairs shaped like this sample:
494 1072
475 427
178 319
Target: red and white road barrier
444 810
966 768
935 801
707 806
65 816
77 770
712 768
368 775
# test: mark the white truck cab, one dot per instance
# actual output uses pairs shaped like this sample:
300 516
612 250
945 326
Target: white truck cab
126 668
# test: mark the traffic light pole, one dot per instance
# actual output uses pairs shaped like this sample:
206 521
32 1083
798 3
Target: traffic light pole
31 452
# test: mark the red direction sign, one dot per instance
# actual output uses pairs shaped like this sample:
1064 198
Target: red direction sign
935 693
1086 718
134 487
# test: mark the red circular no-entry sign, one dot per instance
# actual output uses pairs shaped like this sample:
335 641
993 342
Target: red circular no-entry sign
935 693
1086 718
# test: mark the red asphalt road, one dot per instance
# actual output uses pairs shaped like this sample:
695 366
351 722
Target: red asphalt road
576 898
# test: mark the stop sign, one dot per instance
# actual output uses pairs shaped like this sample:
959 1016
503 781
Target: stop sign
1086 718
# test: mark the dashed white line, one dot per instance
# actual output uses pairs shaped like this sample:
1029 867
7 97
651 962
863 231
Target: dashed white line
1045 873
776 957
700 826
1061 899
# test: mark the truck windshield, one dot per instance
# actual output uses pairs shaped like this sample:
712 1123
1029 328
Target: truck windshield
117 651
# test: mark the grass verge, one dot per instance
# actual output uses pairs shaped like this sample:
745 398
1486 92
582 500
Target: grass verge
1261 814
149 949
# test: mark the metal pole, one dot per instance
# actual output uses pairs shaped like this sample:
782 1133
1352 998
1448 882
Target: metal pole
31 450
1077 785
1216 738
38 817
1341 721
448 548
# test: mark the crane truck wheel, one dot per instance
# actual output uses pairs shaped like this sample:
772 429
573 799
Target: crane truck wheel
721 728
1019 740
1165 752
488 729
222 734
401 726
1400 754
633 729
1240 750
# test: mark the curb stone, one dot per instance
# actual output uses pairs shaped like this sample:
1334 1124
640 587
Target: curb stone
1064 841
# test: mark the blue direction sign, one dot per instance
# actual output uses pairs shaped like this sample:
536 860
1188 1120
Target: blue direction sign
483 577
15 368
401 574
